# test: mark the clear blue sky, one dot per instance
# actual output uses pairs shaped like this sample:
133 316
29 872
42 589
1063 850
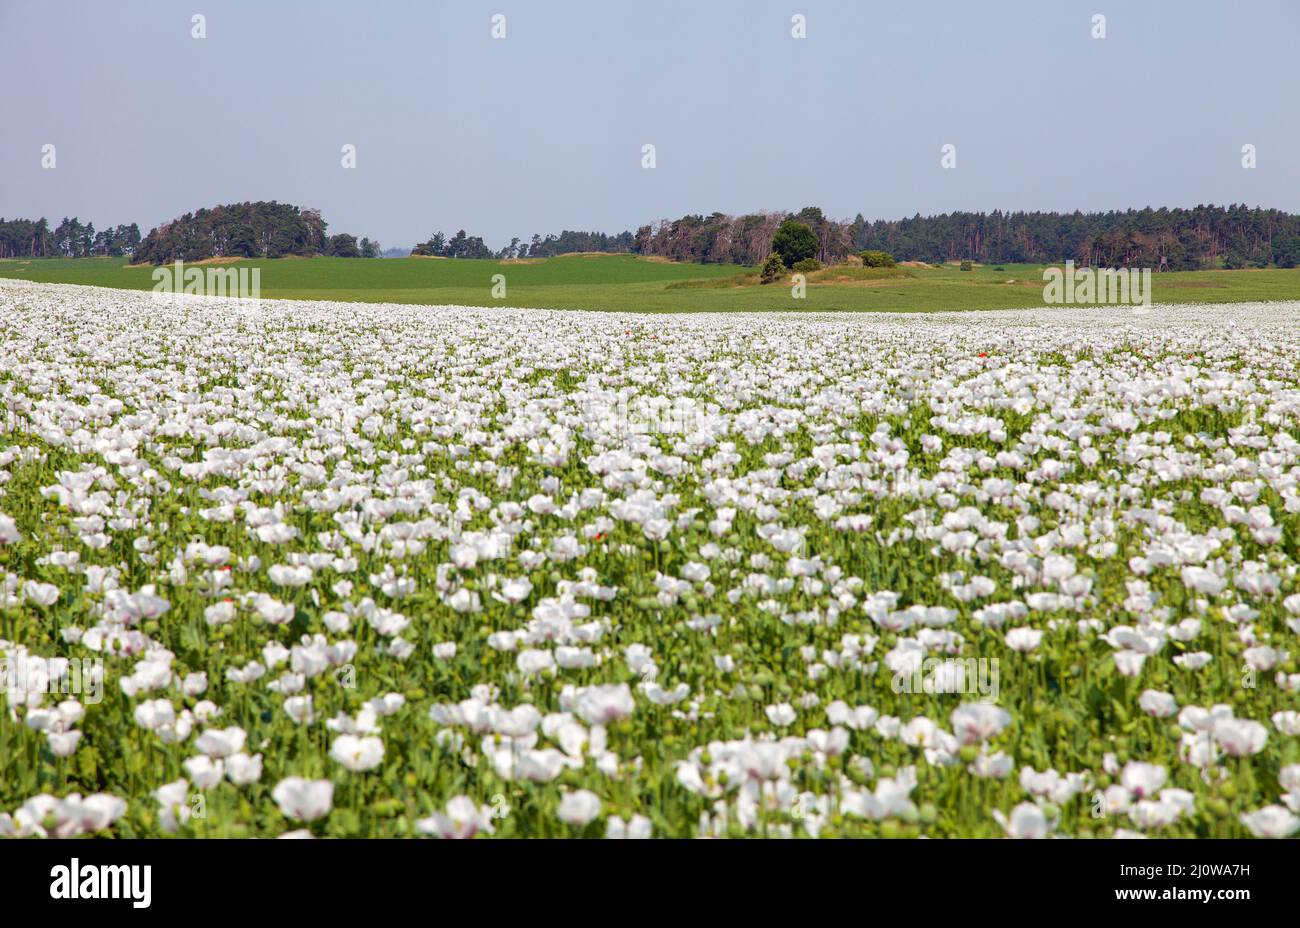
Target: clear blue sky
543 130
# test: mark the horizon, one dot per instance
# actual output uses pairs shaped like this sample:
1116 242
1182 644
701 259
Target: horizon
744 117
788 212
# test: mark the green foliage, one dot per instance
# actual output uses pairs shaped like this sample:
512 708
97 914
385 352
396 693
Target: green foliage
843 273
1186 239
343 246
248 230
1286 252
876 259
1178 239
807 265
569 242
459 245
794 241
773 269
966 266
25 238
1173 239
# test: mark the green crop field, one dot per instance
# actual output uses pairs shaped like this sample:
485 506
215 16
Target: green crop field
625 282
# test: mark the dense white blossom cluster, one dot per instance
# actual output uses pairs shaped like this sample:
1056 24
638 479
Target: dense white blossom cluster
356 569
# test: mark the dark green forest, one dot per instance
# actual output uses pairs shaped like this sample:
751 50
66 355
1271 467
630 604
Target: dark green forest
1179 239
249 230
27 238
239 230
1235 236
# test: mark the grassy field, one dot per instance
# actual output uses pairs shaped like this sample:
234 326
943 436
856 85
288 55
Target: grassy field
624 282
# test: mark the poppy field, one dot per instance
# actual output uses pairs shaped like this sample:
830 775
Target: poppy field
300 568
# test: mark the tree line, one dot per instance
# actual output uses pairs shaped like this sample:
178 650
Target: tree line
459 245
722 239
568 242
462 245
28 238
1179 239
1235 236
249 230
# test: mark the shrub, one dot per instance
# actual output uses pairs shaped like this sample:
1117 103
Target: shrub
794 241
876 259
773 270
806 265
966 265
342 246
